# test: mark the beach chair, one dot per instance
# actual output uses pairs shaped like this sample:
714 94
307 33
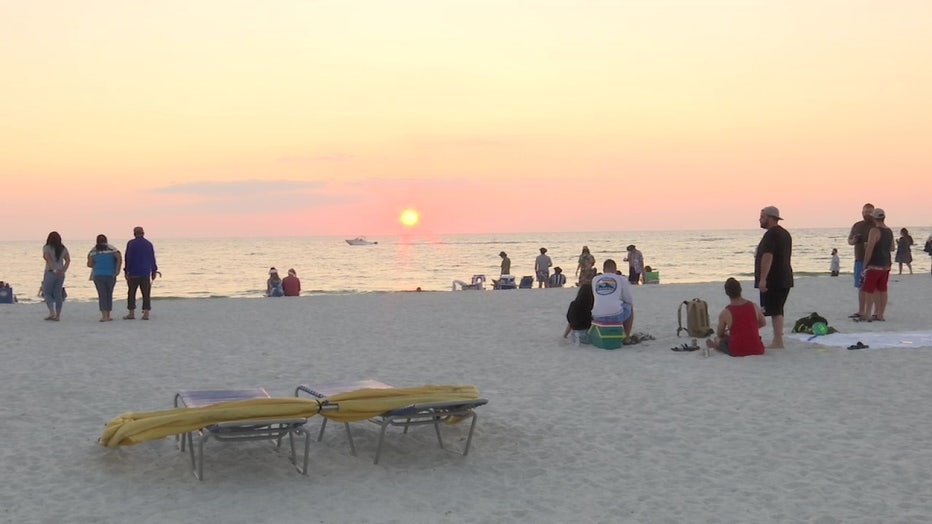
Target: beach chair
505 282
478 283
527 282
432 413
238 430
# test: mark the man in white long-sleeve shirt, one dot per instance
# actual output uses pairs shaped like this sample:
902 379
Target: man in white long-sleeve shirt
612 297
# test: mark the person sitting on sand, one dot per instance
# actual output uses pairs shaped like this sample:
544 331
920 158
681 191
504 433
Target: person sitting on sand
579 315
273 286
738 332
557 279
291 284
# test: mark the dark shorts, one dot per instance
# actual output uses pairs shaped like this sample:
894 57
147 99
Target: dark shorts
633 277
723 346
773 300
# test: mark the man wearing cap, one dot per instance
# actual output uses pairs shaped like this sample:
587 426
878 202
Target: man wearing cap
877 264
773 273
140 270
858 238
542 267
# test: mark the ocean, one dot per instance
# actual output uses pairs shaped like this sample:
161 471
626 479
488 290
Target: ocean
238 267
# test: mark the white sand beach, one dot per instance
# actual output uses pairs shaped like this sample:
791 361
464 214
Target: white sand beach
810 433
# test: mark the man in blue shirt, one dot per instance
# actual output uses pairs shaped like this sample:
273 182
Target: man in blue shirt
140 270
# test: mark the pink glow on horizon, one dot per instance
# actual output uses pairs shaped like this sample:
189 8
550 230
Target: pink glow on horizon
325 118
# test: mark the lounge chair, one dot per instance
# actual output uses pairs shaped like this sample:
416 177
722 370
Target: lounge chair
504 282
237 430
415 414
251 414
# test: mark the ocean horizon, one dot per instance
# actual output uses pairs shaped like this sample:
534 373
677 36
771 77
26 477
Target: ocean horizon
238 267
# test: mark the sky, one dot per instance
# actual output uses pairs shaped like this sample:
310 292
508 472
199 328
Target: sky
331 117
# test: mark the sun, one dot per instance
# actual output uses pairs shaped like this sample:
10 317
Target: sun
409 217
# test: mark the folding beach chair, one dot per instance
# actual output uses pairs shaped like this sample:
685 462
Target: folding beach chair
237 430
411 415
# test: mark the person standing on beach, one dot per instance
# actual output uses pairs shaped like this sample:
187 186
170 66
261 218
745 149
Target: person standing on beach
105 262
291 285
542 267
904 252
506 263
57 261
140 271
738 331
857 238
635 260
835 265
585 267
877 266
773 272
928 249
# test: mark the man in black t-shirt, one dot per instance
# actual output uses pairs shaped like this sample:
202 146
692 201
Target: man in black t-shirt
773 273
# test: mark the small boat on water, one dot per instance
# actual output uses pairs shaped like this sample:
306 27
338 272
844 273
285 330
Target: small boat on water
359 241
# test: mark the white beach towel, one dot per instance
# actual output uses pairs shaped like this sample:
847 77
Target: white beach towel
876 339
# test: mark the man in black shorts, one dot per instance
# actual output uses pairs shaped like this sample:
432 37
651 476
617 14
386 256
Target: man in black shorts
773 274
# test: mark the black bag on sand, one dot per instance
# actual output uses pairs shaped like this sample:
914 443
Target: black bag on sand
697 318
804 325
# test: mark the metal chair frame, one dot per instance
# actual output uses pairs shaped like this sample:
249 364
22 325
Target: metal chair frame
238 430
432 413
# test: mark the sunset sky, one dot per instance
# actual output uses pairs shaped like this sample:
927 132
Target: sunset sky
331 117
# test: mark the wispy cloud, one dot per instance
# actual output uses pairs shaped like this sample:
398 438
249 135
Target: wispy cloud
238 187
410 182
331 157
236 197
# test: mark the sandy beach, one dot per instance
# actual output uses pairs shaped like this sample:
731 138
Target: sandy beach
810 433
